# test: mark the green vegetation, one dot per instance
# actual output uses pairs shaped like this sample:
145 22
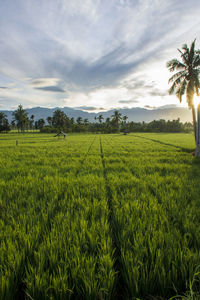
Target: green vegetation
61 122
98 216
186 82
4 124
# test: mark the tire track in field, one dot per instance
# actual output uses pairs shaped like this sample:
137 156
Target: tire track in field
163 143
45 229
120 285
84 157
153 140
128 151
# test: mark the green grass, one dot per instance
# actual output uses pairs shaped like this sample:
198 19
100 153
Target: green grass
184 141
98 216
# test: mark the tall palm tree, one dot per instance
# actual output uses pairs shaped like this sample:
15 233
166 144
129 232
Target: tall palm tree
20 116
116 118
31 121
86 122
107 120
4 124
125 118
79 121
49 120
186 80
60 120
100 118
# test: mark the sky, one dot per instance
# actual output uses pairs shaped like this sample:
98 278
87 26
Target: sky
93 55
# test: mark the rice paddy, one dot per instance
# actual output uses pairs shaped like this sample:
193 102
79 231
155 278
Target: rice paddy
98 216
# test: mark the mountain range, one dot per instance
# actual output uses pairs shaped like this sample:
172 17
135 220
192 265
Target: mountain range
136 114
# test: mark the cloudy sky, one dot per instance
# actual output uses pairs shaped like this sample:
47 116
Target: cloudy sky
92 54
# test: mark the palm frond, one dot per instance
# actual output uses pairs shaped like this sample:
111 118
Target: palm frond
175 64
180 75
187 80
172 88
178 81
185 48
192 46
181 90
196 62
184 56
191 54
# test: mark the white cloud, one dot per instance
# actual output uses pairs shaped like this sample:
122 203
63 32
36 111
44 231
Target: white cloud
94 50
44 82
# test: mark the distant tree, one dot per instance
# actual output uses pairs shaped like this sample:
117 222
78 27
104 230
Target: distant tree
116 119
125 118
107 123
79 125
13 124
40 123
186 80
60 120
72 121
124 125
79 121
4 124
86 122
108 126
31 121
49 120
36 125
100 118
21 118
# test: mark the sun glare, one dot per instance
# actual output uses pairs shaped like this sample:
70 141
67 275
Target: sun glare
196 101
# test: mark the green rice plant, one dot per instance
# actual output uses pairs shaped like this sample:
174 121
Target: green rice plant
151 242
90 218
194 286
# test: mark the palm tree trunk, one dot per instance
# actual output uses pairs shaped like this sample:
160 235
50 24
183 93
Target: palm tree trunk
197 152
194 123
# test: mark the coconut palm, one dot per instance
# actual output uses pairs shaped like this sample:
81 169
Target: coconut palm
31 121
21 117
49 120
60 120
100 118
13 124
86 122
125 118
79 121
107 120
72 121
4 124
116 118
186 80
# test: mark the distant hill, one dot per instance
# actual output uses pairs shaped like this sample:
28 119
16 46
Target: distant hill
135 114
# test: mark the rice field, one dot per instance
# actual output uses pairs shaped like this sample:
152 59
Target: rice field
98 216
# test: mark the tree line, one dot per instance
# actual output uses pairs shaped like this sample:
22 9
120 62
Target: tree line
61 122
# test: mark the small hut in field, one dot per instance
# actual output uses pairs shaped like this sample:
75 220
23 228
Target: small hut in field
60 134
